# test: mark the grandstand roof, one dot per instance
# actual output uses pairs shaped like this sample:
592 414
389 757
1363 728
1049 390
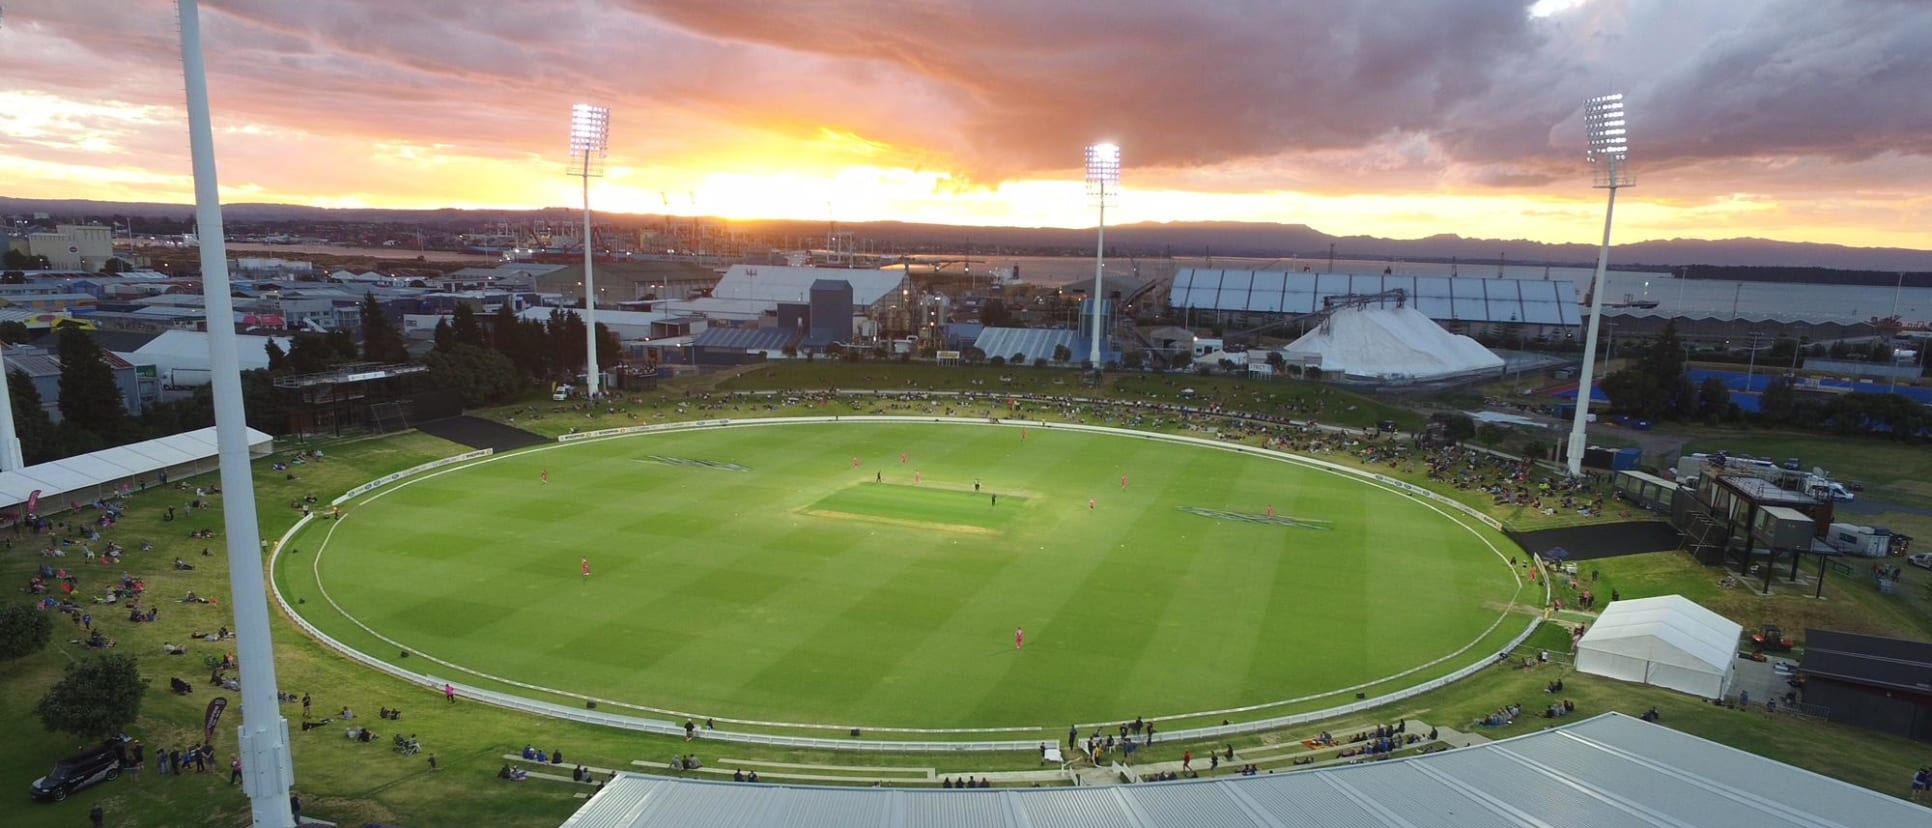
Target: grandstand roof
1612 770
774 283
83 472
1442 298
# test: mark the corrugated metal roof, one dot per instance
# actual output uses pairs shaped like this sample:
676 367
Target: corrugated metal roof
1609 771
763 339
1443 298
774 283
1869 659
1033 342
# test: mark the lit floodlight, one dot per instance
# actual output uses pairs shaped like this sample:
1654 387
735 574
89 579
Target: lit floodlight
1103 179
1609 145
1604 122
589 138
1103 168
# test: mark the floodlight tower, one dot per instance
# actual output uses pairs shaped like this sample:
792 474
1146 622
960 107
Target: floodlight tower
1103 179
10 456
589 138
262 745
1603 119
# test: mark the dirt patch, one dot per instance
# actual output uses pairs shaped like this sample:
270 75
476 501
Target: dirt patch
958 528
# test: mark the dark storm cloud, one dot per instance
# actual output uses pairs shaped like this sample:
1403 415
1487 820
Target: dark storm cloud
1330 94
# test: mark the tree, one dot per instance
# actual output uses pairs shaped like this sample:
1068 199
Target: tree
482 375
610 349
1457 426
13 277
277 358
994 314
1713 399
313 353
24 630
1780 401
1039 362
1018 358
1061 353
464 327
39 440
262 402
972 354
98 697
1277 362
381 341
996 361
1181 359
89 397
1133 360
1491 434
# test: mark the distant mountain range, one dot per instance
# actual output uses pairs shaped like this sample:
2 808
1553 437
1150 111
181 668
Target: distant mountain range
1193 239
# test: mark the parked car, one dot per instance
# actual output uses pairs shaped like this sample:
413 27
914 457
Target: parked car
1923 559
97 764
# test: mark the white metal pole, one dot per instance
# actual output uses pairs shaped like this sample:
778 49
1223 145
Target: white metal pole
1099 265
263 746
11 458
1577 439
590 296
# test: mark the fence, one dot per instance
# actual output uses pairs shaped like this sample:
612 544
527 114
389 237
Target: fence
589 715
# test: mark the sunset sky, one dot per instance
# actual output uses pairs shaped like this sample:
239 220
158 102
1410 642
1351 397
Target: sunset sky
1803 120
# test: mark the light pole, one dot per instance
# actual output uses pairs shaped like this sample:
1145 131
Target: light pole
1603 118
1103 179
589 138
11 458
262 744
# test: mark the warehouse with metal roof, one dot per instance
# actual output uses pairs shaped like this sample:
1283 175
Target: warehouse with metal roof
1612 771
1441 298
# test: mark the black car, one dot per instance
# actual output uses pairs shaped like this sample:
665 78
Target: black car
78 771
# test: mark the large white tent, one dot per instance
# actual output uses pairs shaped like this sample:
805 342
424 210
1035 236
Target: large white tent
1668 641
1389 344
85 478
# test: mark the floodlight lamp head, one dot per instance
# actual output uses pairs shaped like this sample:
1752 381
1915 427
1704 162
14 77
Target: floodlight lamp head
1603 120
1103 170
589 138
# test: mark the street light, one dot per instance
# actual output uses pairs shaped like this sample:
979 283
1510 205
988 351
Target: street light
1103 179
1608 140
589 138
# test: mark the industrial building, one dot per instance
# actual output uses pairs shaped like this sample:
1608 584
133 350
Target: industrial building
74 246
1870 681
1271 299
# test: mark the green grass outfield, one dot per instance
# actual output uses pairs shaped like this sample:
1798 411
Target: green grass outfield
756 573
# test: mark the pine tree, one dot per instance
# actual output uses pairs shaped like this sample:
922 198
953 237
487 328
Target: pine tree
464 327
381 341
89 397
39 440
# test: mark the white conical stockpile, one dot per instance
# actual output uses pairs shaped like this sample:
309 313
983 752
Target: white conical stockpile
1390 343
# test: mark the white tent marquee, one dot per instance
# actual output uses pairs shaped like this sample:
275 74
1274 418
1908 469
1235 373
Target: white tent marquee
88 477
1668 641
1389 344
